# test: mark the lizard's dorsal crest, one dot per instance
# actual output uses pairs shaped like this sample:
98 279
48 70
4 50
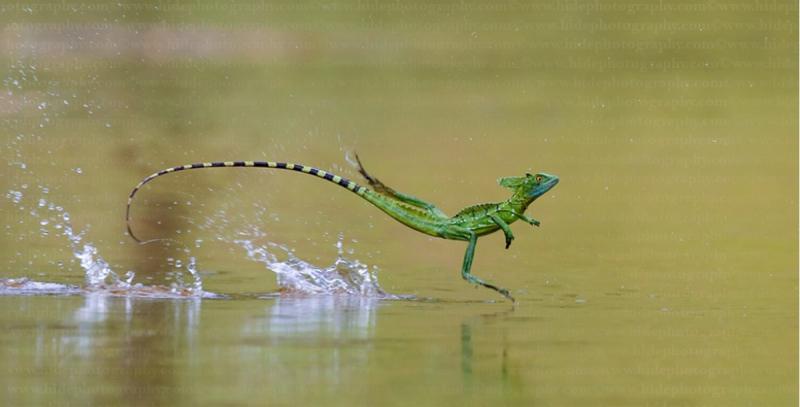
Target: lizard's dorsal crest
390 193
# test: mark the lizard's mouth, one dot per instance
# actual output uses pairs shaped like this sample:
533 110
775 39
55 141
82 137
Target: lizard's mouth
544 187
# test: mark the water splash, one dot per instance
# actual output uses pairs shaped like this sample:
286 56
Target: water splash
45 102
294 275
297 276
99 276
345 276
24 286
51 221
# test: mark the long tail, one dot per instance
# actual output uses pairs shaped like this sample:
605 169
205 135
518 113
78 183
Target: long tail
343 182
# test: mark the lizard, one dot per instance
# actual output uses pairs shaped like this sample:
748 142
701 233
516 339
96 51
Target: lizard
467 225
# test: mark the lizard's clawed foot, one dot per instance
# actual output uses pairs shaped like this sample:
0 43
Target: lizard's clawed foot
477 281
506 294
535 222
508 241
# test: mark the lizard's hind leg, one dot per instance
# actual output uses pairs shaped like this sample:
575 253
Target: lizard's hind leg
465 269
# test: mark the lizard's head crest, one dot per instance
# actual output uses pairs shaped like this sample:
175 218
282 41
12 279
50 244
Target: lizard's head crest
532 185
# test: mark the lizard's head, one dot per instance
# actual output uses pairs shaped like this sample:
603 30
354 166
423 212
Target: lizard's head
532 185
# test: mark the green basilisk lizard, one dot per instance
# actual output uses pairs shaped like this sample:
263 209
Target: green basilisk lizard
467 225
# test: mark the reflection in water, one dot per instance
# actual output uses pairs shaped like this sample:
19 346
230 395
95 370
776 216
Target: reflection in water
482 324
331 317
330 335
88 317
133 365
100 309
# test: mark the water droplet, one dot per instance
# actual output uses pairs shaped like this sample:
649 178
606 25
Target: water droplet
77 170
15 196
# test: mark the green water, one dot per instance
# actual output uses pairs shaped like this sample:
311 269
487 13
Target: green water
665 271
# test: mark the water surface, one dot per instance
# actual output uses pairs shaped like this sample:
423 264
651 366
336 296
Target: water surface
664 273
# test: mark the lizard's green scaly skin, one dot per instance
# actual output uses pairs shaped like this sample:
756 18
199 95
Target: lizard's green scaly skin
468 224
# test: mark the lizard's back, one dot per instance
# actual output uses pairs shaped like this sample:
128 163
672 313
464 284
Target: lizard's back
475 211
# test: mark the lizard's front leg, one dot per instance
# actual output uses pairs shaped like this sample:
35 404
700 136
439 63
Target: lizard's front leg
506 229
524 217
532 221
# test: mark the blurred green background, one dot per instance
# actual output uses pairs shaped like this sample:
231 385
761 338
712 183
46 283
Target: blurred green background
665 271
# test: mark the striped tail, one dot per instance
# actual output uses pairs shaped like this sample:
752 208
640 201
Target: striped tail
343 182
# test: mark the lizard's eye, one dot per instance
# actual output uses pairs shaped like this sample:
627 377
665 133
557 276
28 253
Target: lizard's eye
538 178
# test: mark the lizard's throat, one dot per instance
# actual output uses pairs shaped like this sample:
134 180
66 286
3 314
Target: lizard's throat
521 200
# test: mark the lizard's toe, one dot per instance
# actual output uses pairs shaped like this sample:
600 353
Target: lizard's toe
506 294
